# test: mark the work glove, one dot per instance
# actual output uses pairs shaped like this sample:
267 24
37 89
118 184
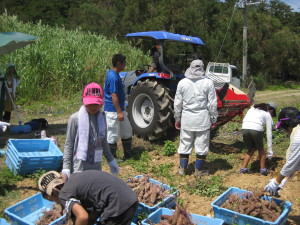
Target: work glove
4 125
65 174
272 187
281 185
114 169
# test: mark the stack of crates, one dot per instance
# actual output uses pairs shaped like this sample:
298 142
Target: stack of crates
26 156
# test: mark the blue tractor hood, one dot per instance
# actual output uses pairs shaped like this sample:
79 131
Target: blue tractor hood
167 36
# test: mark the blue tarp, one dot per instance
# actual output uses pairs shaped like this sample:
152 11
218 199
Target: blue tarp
164 35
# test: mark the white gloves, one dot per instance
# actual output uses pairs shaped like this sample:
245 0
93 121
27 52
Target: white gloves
65 173
114 169
272 187
4 125
281 185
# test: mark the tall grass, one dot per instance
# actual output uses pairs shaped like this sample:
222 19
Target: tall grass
62 62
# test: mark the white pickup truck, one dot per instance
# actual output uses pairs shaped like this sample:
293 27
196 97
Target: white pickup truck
222 73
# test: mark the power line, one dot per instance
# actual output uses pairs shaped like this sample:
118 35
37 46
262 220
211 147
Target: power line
233 11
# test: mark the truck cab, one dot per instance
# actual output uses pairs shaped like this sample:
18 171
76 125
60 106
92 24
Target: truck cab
222 73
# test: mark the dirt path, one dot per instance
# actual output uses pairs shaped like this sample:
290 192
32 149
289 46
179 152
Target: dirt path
282 97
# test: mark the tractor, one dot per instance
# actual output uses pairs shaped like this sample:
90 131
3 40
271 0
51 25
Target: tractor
150 95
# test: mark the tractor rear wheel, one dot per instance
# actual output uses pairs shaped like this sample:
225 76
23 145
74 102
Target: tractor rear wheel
150 109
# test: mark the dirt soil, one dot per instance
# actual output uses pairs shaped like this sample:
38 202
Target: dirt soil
195 204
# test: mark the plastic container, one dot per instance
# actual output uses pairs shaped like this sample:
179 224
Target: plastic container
2 153
197 219
25 156
28 211
43 134
168 202
232 217
3 222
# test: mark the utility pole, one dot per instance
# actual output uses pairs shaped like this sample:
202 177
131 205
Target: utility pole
243 4
245 48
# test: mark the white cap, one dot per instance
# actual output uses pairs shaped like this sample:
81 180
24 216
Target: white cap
273 105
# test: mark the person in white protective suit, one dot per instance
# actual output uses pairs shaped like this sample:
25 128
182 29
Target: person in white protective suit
195 107
289 121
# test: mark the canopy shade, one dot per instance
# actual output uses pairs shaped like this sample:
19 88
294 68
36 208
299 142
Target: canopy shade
167 36
11 41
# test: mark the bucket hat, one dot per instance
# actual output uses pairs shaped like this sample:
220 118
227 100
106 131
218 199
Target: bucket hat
196 70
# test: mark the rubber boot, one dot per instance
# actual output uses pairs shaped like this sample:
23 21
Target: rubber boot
184 160
200 160
113 149
126 143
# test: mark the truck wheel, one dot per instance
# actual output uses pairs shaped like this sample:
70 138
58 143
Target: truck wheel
150 109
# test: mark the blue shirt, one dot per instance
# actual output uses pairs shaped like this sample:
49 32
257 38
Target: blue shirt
113 84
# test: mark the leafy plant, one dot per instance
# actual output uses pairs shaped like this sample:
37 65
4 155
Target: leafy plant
169 148
162 170
140 162
7 179
207 186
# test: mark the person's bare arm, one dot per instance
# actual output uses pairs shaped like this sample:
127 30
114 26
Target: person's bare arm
82 217
116 103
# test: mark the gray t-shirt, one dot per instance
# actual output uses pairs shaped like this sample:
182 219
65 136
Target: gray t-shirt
101 191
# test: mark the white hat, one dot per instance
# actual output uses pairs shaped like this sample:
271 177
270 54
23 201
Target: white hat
196 70
273 105
10 65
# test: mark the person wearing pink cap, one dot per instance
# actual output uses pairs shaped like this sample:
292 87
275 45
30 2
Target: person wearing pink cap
86 136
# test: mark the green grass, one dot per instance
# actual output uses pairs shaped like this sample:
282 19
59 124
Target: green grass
62 62
282 86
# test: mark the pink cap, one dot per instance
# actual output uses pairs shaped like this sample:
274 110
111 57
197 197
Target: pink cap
93 94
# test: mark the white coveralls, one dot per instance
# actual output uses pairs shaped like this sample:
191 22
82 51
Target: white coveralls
195 105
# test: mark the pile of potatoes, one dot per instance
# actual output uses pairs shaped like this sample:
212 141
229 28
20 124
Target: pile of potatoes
147 192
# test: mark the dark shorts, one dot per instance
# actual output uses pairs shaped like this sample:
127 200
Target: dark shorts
253 139
124 219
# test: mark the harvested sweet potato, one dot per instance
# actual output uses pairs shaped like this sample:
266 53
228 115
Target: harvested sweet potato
147 192
52 215
252 204
180 217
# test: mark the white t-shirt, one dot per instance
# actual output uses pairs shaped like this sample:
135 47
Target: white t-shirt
256 119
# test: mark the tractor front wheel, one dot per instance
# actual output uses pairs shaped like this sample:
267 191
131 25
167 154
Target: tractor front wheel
150 109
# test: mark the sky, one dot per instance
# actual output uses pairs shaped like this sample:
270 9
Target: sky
295 4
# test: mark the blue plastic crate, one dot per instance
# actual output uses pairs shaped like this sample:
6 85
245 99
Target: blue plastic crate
31 170
197 219
28 150
32 159
3 222
168 202
32 164
28 211
232 217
